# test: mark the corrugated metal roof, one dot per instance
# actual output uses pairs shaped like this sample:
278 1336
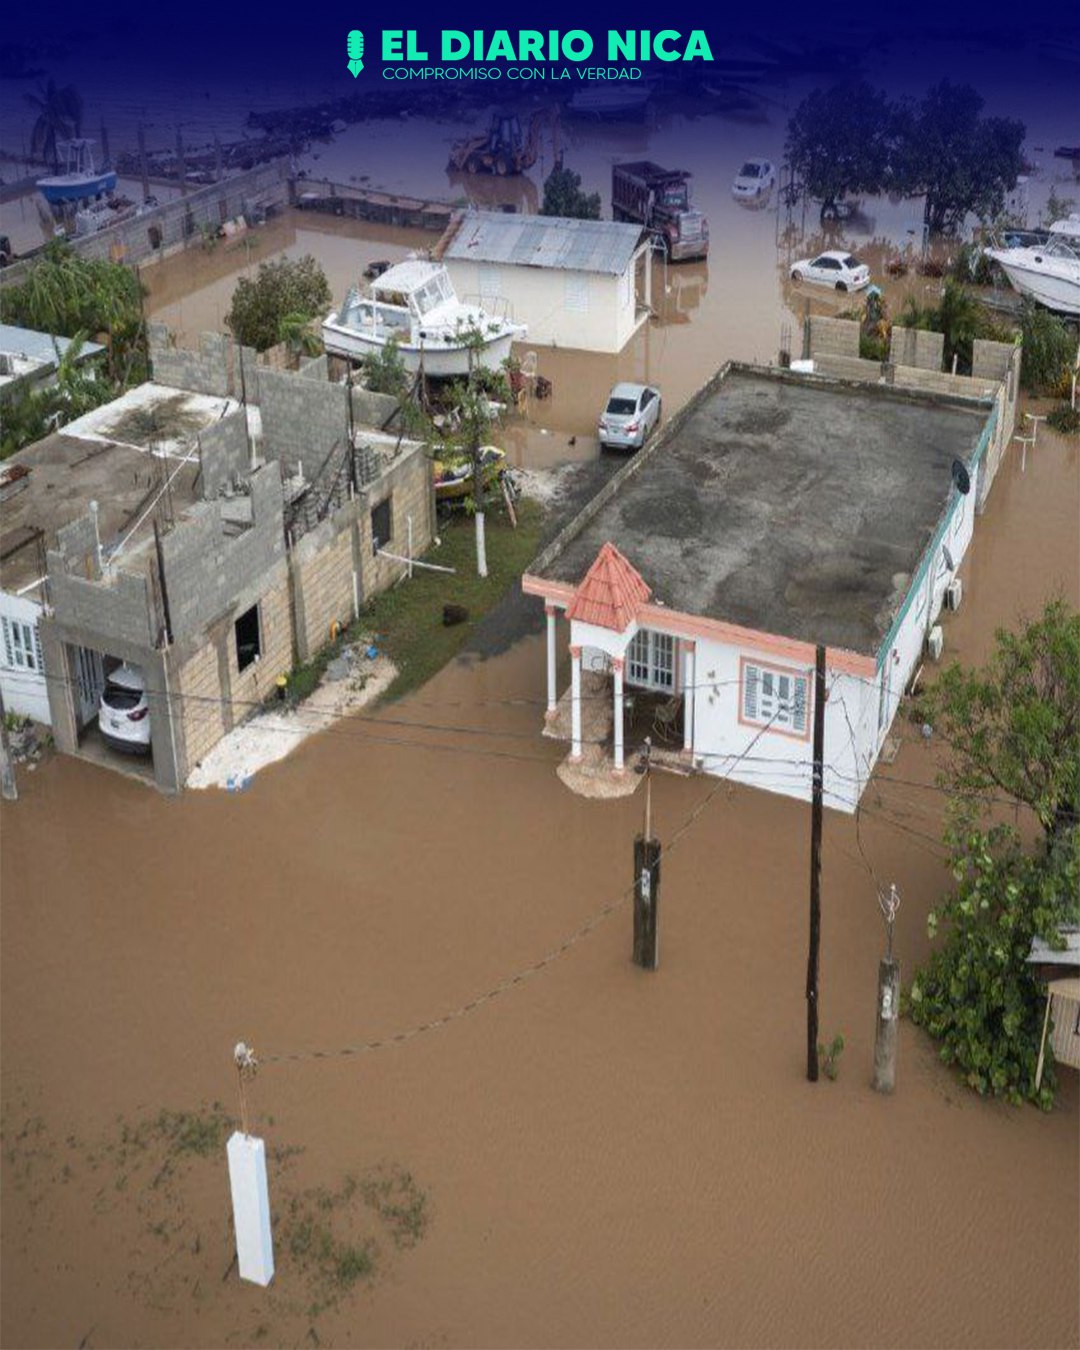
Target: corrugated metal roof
605 246
36 346
1042 954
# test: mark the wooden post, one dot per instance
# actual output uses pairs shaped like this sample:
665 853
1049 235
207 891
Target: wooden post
816 811
8 787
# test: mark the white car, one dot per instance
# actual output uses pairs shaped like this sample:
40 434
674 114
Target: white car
124 714
842 271
754 180
631 415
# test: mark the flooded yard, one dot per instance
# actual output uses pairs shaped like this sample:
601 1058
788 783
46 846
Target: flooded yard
596 1155
469 1143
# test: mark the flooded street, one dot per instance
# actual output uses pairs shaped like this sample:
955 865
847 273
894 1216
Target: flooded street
608 1156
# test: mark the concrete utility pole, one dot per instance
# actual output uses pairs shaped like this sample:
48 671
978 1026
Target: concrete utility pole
8 787
647 881
887 1033
816 812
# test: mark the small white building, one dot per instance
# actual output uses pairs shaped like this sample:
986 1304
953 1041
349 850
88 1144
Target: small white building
574 283
773 514
29 359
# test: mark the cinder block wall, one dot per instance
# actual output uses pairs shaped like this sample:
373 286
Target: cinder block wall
371 409
213 692
302 419
118 609
205 570
207 371
831 337
224 454
916 347
323 562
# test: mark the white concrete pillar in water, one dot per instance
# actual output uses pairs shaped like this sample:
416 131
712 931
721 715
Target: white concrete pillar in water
251 1208
481 547
575 703
552 693
617 667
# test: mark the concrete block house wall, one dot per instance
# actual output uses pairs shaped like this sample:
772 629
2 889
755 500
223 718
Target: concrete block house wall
173 609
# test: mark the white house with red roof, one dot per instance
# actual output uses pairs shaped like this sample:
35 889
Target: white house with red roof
774 514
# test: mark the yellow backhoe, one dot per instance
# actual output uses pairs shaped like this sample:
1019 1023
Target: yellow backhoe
504 149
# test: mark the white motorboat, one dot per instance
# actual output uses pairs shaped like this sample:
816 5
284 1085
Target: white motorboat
1049 273
413 307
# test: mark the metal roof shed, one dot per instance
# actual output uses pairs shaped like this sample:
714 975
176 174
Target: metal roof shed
599 298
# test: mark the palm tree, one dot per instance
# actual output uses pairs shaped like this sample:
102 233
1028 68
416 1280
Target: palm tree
59 118
294 330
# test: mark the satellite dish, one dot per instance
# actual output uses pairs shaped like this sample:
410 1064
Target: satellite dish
961 477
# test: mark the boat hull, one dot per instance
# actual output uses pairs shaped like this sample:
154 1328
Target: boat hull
1058 293
65 190
438 361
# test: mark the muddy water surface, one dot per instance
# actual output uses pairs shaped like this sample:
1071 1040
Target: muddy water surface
608 1157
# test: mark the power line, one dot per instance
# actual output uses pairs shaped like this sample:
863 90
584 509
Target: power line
519 976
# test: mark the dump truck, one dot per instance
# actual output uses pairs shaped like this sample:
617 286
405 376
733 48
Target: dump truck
659 199
504 148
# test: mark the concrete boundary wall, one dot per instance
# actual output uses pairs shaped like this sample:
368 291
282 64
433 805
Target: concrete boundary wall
179 222
916 347
831 337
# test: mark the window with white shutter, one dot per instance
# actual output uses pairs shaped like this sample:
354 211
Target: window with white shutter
776 697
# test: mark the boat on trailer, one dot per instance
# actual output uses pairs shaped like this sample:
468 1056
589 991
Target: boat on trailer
413 308
1048 273
80 183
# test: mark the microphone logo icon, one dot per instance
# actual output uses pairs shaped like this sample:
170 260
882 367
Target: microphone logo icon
355 43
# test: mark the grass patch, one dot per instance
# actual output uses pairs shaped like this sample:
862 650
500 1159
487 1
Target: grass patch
407 619
400 1203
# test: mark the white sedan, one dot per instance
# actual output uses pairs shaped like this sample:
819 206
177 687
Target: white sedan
842 271
754 180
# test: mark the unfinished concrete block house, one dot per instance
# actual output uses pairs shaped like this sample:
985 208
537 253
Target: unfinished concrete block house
775 512
211 529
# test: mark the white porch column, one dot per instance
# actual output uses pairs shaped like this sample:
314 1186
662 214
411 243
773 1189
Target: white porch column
617 667
552 695
689 675
575 703
648 277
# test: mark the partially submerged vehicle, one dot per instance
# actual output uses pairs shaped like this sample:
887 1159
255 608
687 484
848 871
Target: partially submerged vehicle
413 308
754 180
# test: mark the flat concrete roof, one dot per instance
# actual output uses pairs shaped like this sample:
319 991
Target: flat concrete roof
793 505
65 475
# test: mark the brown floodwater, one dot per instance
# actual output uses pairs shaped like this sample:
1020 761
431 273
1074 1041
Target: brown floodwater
609 1156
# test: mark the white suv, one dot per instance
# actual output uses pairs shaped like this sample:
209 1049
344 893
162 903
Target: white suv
124 715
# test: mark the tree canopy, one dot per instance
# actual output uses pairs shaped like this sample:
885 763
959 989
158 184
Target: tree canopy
851 139
563 197
1013 737
959 159
283 290
838 141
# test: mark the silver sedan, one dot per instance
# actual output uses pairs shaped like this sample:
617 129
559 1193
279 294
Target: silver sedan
630 417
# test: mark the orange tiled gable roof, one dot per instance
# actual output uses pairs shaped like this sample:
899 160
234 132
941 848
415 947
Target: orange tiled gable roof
610 592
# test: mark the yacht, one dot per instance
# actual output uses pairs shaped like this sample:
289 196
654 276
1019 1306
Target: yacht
1048 273
413 306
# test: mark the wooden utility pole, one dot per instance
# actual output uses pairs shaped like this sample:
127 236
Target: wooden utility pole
816 811
8 787
145 172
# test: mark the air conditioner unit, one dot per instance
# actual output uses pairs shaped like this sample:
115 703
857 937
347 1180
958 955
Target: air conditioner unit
954 593
935 642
